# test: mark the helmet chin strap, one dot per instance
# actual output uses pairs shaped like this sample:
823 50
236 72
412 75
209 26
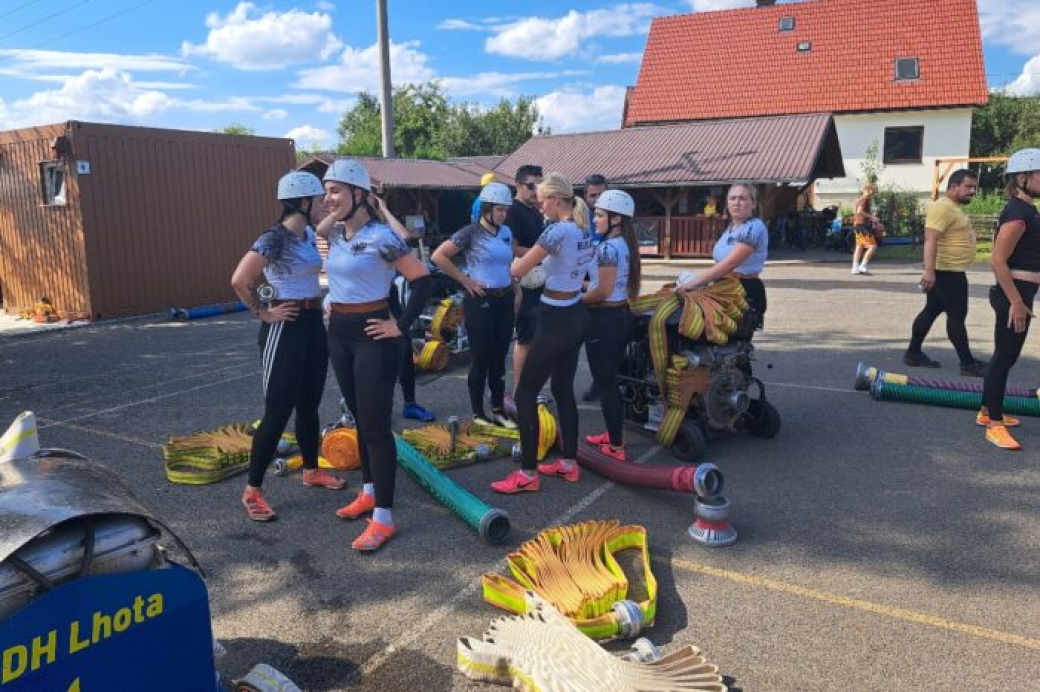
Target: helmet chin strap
488 218
354 206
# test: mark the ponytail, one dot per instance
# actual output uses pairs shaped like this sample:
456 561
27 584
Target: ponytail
581 213
635 264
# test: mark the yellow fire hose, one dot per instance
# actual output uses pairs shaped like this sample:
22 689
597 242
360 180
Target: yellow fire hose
444 449
574 568
207 457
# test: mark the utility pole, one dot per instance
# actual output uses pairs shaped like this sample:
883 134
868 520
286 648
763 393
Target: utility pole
387 95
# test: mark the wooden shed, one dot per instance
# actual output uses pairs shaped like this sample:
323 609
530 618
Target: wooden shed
110 220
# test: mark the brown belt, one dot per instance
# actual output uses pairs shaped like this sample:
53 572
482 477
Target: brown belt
498 292
359 308
745 276
559 295
608 304
302 303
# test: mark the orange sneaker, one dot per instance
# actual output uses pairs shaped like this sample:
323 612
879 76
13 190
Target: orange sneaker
982 418
516 482
616 453
566 469
601 439
999 435
374 536
320 478
256 506
362 504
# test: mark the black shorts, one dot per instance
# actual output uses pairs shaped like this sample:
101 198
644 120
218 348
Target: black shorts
527 315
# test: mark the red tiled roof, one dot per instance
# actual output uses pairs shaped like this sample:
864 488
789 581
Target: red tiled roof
774 149
463 173
736 63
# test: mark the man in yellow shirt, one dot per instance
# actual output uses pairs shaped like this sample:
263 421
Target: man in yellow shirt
949 249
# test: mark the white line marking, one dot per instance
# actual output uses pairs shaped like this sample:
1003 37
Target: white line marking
101 433
376 661
819 388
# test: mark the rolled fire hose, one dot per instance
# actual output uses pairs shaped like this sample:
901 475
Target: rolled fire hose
542 651
710 527
208 457
573 567
866 376
205 311
548 430
433 357
446 446
971 401
492 524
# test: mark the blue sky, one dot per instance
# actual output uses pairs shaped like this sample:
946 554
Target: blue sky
292 68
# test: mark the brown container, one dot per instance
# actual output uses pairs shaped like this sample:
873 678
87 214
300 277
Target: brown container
150 218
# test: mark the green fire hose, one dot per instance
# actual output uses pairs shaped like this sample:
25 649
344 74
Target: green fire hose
492 524
972 401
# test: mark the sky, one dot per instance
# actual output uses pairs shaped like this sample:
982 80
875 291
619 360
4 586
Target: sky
291 68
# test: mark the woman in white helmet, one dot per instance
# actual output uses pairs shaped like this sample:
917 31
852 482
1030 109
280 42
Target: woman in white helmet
1016 266
292 337
488 306
615 282
364 341
567 250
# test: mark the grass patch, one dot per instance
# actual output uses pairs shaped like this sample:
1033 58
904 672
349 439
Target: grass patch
908 253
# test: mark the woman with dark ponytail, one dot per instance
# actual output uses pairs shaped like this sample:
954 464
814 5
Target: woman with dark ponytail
615 282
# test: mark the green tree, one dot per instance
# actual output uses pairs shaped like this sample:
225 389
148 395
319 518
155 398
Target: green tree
1028 129
234 128
427 125
871 165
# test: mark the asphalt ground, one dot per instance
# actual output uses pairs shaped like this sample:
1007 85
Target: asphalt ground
882 545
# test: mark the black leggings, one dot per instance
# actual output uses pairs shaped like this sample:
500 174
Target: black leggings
295 363
604 346
366 370
949 295
1008 346
489 325
553 353
407 373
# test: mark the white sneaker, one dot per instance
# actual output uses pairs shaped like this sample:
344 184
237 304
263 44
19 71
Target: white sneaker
502 421
855 270
863 270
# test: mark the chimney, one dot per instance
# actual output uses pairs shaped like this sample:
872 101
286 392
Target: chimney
765 3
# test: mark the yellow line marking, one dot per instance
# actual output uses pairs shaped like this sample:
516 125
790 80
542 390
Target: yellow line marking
857 604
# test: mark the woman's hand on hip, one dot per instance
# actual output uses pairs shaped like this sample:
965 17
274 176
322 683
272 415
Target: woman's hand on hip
286 312
382 329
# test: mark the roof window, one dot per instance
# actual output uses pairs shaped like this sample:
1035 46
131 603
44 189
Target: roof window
804 47
907 68
786 23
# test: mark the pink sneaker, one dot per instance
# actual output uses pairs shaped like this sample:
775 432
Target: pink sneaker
516 482
557 468
601 439
616 453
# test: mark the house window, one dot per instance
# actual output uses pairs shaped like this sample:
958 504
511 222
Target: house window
804 47
786 23
907 68
903 144
52 178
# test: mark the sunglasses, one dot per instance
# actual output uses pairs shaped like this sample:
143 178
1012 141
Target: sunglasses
531 186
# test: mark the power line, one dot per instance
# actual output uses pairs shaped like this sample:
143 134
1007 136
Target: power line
20 7
41 21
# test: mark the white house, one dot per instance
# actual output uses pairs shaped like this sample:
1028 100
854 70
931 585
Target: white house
905 74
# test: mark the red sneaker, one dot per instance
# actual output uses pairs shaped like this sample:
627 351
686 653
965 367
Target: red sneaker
362 504
567 469
601 439
516 482
616 453
320 478
983 419
256 506
374 537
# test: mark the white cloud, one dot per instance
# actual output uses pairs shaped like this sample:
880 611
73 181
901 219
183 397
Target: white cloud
500 84
99 95
538 38
275 114
619 58
358 69
1014 24
310 138
460 25
574 111
1028 83
711 5
50 59
249 40
231 103
325 6
322 104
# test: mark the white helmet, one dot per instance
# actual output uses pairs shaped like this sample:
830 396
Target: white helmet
496 193
534 278
299 184
350 172
1023 161
617 202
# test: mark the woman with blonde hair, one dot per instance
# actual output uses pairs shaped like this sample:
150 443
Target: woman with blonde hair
565 251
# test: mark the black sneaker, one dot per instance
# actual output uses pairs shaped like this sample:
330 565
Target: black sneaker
975 368
920 360
590 395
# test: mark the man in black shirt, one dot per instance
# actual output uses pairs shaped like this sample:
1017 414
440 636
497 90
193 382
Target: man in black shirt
526 221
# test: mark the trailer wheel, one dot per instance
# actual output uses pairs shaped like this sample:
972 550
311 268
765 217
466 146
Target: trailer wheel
763 420
690 442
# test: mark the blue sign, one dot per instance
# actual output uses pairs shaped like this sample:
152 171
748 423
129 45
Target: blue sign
147 630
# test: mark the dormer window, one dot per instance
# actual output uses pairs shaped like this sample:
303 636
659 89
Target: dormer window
804 47
786 23
906 69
